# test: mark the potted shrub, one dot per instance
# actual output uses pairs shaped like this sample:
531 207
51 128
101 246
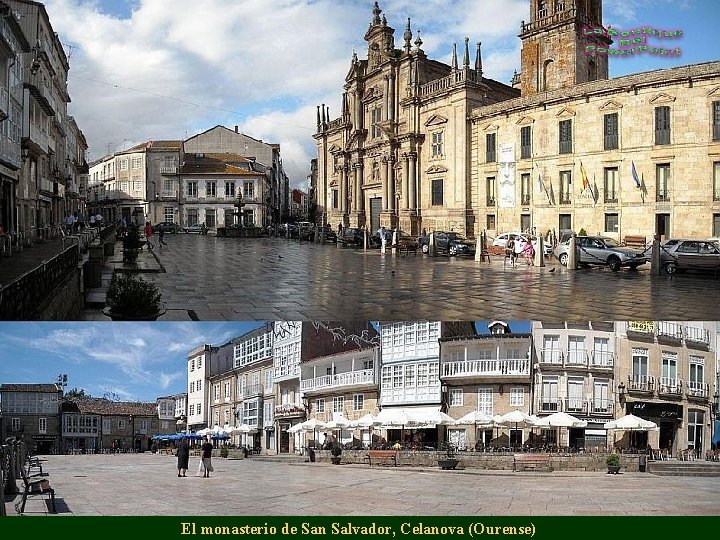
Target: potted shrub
448 459
154 448
336 452
132 244
613 463
224 451
130 298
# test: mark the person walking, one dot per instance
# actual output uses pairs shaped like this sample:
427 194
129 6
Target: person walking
148 234
206 449
518 248
529 251
161 236
183 457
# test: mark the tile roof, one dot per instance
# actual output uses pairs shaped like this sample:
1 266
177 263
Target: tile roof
32 387
106 407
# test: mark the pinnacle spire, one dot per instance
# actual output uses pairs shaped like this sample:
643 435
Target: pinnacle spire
478 60
407 36
376 14
453 64
466 56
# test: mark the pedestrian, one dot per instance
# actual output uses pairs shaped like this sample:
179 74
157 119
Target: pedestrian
383 238
183 457
206 449
161 236
529 251
98 220
148 234
92 220
518 248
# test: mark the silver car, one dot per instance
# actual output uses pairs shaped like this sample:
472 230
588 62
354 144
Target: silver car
601 250
680 254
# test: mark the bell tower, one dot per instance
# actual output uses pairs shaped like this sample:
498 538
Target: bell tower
555 45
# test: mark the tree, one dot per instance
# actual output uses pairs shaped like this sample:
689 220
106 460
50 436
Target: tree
75 392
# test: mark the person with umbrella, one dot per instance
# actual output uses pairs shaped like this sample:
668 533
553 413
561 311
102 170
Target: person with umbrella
183 457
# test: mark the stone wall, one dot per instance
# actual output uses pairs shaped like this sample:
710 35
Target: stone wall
491 461
66 303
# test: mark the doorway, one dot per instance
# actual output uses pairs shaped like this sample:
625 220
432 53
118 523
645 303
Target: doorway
667 435
662 226
565 222
375 209
525 222
284 439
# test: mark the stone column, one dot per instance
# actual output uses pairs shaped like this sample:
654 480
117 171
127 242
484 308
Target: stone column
384 180
405 184
391 97
386 100
359 197
391 183
412 182
343 190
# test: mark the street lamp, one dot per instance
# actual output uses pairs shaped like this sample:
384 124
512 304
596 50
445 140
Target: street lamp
239 204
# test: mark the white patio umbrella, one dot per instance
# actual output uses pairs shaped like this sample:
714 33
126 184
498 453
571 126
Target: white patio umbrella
477 419
631 423
433 418
368 421
516 418
312 425
561 419
204 432
392 418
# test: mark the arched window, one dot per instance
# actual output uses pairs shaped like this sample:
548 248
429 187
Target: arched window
547 74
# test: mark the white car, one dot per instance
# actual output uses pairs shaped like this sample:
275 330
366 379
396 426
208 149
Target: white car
502 240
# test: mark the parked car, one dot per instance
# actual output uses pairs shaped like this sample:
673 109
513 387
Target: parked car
681 254
403 240
448 242
501 240
306 230
167 227
329 234
193 229
351 237
603 251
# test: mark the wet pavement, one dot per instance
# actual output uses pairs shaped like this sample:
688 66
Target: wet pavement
90 485
209 278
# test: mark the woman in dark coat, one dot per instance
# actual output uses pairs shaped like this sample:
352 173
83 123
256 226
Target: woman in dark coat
183 457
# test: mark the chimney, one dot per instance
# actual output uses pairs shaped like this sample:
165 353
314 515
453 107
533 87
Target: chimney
236 129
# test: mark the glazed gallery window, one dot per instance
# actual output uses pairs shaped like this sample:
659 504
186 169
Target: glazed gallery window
320 405
136 163
338 404
437 192
437 149
456 397
358 402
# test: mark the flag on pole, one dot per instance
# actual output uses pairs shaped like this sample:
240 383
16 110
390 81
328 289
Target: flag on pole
635 176
583 175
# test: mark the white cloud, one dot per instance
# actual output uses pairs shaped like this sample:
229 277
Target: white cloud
168 73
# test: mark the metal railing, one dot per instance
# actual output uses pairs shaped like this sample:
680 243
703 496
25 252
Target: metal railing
670 385
575 405
669 330
440 85
697 389
497 367
602 359
252 390
551 356
549 404
339 379
600 406
699 335
641 383
22 299
576 357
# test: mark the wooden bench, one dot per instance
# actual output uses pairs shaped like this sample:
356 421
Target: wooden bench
634 241
382 455
35 488
531 462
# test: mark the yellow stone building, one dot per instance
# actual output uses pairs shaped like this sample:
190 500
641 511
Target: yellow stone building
424 145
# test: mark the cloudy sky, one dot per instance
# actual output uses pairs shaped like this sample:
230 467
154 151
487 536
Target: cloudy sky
124 361
128 361
160 69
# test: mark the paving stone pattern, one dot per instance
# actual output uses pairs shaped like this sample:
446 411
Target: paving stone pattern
91 484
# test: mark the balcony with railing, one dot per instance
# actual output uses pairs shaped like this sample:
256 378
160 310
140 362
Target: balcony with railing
575 406
289 410
440 85
501 367
669 332
38 137
670 386
695 389
551 356
168 169
168 194
602 359
349 379
576 358
549 405
251 390
600 407
641 383
697 336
